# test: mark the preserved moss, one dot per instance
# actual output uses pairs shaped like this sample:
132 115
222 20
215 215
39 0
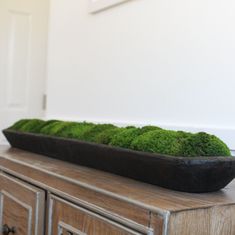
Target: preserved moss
46 123
180 144
150 128
158 141
17 126
106 136
51 128
31 125
203 144
92 133
125 137
148 139
76 130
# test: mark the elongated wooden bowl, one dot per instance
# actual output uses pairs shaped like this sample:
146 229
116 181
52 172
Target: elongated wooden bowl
195 175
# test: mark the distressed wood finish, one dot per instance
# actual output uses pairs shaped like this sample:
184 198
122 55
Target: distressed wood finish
142 208
211 221
17 215
79 192
157 223
65 216
22 206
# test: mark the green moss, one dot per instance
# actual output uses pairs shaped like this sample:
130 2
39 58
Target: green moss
16 126
150 128
125 137
46 123
35 125
76 130
31 126
158 141
180 144
91 134
50 128
203 144
148 139
105 137
58 128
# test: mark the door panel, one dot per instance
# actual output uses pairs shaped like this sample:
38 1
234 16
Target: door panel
23 44
68 219
18 59
12 208
21 207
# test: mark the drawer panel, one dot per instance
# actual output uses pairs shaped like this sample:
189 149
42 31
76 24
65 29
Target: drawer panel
81 194
21 207
65 218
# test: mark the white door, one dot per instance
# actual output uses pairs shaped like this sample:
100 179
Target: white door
23 43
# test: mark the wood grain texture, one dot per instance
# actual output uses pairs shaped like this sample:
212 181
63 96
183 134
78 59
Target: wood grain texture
157 224
66 215
211 221
16 215
22 206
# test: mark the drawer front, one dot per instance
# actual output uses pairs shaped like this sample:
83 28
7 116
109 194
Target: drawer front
21 207
66 218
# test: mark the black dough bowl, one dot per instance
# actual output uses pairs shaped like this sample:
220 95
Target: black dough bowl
194 175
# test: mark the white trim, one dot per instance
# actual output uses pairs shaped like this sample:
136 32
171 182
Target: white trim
226 133
166 222
98 5
50 213
68 228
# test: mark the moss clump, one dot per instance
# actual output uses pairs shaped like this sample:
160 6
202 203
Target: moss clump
105 137
17 126
59 127
203 144
148 139
76 130
150 128
51 128
180 144
91 134
46 123
158 141
125 137
31 126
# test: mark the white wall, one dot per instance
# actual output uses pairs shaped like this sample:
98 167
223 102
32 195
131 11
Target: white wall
164 62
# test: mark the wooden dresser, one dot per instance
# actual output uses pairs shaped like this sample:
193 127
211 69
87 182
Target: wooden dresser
40 195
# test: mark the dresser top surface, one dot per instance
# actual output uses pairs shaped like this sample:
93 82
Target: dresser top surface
148 196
